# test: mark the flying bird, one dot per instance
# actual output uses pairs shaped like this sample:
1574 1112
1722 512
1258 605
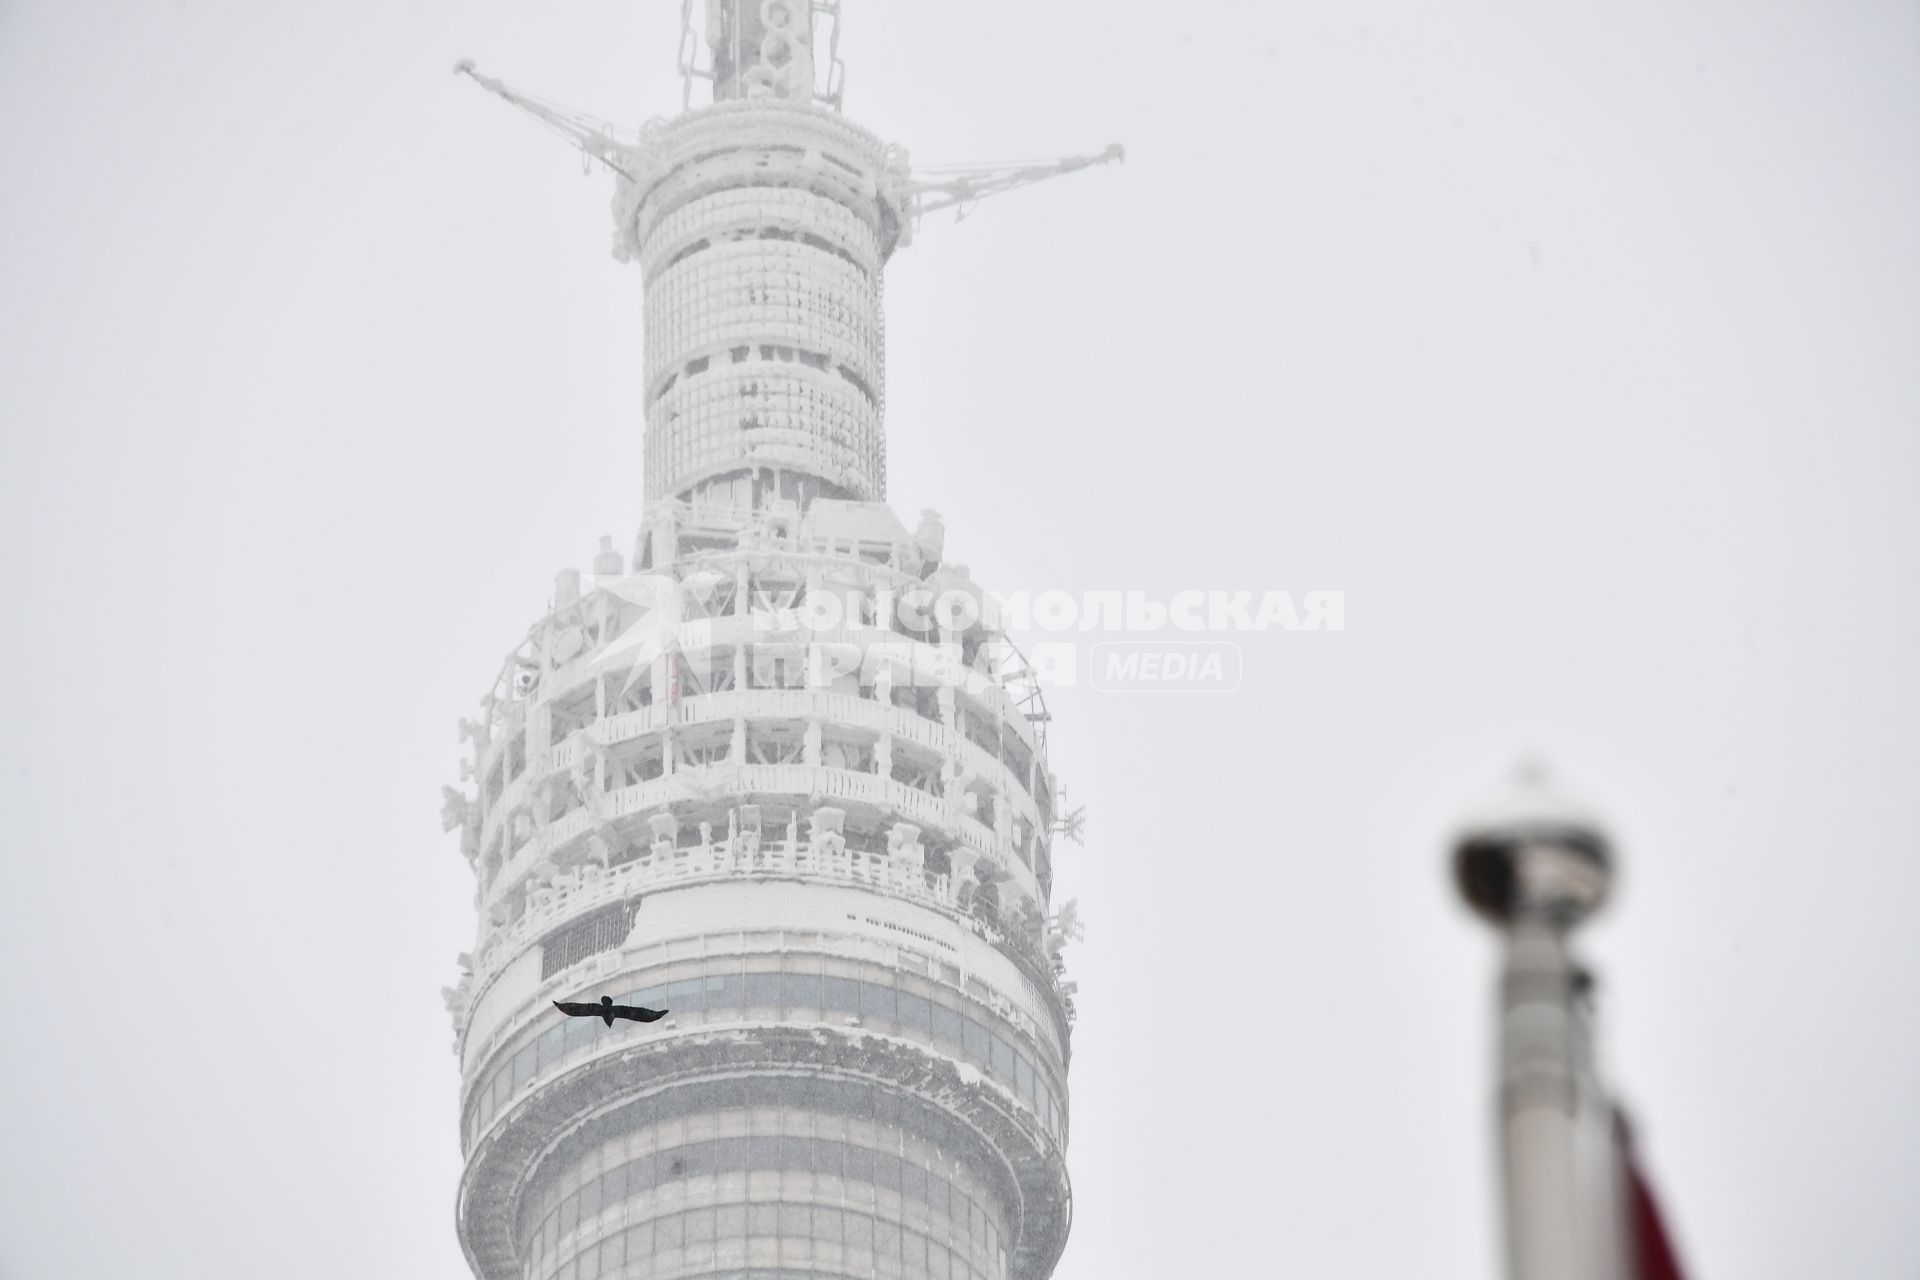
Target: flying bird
608 1010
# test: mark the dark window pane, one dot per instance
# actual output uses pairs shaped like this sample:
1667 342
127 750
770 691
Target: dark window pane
800 991
696 1158
937 1193
1003 1057
794 1153
548 1047
763 1153
946 1025
578 1033
915 1013
859 1163
886 1171
763 990
641 1175
843 995
684 996
729 1155
828 1157
615 1182
763 1220
522 1066
974 1041
876 1002
1023 1078
729 991
913 1180
651 997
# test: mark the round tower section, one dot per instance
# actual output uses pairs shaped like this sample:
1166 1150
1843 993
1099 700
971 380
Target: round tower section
814 1101
762 227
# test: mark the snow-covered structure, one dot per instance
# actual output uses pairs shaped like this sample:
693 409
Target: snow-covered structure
737 775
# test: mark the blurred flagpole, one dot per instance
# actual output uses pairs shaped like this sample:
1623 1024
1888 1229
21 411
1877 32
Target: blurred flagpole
1536 866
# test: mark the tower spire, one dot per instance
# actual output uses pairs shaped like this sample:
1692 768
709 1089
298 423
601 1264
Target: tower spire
787 49
761 49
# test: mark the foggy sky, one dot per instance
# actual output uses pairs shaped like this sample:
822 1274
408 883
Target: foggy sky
1576 348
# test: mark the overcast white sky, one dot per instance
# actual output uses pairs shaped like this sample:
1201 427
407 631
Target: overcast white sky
1577 346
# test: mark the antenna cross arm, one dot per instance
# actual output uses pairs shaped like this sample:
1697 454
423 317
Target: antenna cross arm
582 131
930 192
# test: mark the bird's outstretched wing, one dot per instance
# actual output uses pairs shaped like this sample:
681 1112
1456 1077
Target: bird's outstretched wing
579 1010
637 1013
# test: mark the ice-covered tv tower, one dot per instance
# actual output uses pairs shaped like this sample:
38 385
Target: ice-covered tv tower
778 771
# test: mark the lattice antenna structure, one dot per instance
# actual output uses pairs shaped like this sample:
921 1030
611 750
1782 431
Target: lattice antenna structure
690 64
730 35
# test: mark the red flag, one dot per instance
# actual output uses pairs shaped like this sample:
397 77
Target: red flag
1650 1249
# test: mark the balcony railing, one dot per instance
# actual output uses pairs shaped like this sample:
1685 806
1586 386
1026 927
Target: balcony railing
792 704
819 857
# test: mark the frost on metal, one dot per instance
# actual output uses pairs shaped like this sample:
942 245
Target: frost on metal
833 868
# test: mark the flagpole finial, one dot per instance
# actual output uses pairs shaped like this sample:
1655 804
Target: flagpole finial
1530 854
